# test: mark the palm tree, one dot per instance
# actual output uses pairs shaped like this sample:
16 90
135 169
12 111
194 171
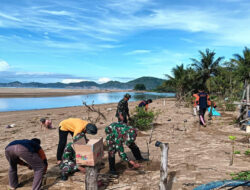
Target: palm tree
182 80
207 66
243 65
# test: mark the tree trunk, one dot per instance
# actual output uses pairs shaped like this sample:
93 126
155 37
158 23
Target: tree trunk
91 178
164 166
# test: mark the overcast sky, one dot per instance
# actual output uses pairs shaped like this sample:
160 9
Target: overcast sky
102 40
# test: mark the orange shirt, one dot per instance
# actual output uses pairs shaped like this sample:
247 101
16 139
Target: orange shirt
74 125
196 96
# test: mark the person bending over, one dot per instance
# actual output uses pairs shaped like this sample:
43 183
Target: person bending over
27 153
117 135
73 126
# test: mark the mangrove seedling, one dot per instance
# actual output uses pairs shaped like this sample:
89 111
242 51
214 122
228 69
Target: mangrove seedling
247 152
237 152
232 138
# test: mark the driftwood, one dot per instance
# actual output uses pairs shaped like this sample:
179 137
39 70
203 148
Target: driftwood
91 178
92 109
164 165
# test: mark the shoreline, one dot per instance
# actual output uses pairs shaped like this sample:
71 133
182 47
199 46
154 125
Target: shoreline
49 92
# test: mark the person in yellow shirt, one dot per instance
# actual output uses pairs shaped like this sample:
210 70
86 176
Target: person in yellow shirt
73 126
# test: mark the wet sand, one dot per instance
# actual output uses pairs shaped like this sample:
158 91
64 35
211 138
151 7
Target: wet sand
196 155
46 92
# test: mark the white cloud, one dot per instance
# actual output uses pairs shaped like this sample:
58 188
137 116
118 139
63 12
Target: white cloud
111 20
4 66
58 13
67 81
104 80
139 51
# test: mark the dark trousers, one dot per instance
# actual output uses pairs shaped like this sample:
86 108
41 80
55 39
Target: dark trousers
63 135
134 149
202 112
13 154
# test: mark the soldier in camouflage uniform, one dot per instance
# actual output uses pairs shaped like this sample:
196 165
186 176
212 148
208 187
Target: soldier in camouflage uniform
117 135
122 111
68 164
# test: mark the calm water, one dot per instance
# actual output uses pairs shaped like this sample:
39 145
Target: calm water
18 104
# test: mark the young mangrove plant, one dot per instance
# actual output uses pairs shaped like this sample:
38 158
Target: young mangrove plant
232 138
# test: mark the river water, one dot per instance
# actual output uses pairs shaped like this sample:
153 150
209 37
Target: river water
18 104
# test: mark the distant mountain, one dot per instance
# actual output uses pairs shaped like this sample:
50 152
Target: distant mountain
149 82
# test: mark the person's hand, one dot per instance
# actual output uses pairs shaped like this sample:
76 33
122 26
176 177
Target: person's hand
82 169
121 118
135 165
28 166
58 162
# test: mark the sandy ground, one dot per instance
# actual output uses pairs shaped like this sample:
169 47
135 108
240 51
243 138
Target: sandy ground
46 92
196 156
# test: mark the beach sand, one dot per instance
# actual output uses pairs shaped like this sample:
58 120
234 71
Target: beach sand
46 92
196 156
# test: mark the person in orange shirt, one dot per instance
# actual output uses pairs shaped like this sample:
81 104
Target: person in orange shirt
195 101
74 126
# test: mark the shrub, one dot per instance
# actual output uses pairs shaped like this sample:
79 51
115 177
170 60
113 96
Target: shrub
230 107
245 175
237 152
247 152
142 119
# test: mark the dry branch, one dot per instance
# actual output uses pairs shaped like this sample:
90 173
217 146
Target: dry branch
92 109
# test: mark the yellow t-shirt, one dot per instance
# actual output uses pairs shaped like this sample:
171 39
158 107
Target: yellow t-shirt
74 125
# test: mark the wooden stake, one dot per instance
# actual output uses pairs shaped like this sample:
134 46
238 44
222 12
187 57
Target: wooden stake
152 129
164 165
91 178
247 107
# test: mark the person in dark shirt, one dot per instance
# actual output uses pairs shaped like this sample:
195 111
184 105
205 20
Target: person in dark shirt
122 112
27 153
203 104
145 103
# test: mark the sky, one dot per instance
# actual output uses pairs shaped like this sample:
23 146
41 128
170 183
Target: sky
101 40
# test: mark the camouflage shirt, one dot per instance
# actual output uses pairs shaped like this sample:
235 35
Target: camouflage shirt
117 135
122 108
68 164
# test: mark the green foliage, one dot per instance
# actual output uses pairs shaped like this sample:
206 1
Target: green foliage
232 138
142 119
230 107
247 152
209 72
237 152
244 175
140 87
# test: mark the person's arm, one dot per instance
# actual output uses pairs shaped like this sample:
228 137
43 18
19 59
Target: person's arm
43 157
127 110
124 157
146 107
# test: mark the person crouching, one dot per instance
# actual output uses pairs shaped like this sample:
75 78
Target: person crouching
68 164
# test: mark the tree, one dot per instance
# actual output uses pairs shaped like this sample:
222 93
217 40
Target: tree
140 87
243 65
182 80
207 66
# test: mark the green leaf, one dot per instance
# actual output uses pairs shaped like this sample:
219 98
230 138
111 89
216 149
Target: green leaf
232 138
